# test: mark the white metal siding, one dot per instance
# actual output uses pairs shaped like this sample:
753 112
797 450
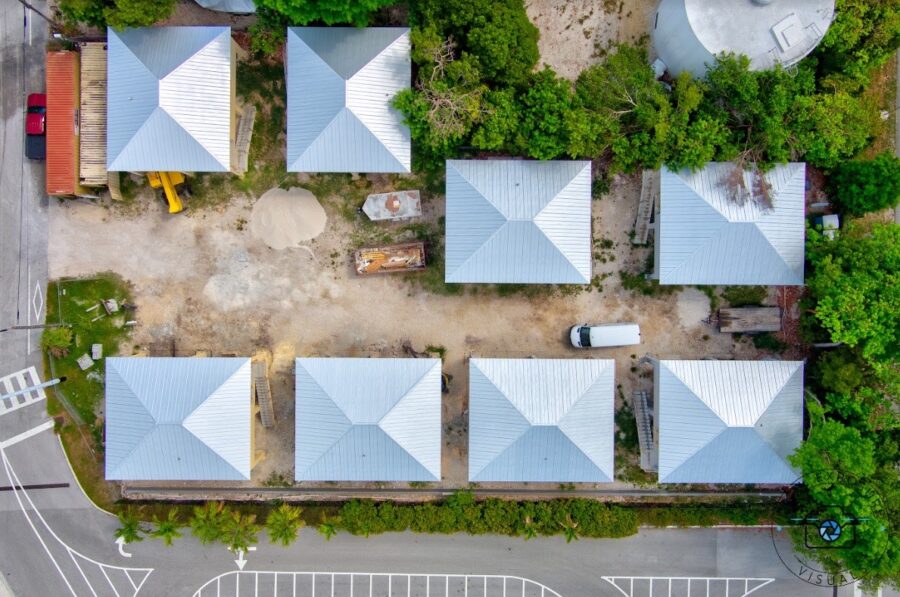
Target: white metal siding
728 421
539 420
518 221
705 238
368 419
178 418
169 99
340 84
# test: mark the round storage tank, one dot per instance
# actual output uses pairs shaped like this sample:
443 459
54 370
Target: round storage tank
688 34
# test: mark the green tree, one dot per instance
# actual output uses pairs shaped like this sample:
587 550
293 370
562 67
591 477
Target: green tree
757 107
137 13
694 137
167 529
855 283
863 186
208 522
544 108
570 529
239 531
130 529
631 105
832 127
863 35
500 121
283 524
327 529
497 34
329 12
57 341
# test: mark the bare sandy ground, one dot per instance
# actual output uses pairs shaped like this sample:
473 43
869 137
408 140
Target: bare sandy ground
577 33
204 283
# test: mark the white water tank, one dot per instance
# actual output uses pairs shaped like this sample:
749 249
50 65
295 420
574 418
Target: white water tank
688 34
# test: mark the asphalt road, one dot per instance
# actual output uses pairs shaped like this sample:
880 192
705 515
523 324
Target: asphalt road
23 205
53 542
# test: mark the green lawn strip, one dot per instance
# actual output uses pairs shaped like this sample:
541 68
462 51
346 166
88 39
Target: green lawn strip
68 303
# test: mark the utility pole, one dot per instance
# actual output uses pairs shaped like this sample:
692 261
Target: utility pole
39 13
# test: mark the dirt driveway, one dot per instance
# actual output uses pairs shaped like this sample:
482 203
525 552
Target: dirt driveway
202 282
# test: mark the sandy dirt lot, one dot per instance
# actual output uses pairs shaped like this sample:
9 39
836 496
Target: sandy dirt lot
577 33
203 282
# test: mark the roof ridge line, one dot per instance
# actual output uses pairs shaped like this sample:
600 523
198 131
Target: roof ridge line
702 447
414 385
365 126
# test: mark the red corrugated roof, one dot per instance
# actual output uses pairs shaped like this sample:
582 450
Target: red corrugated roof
62 104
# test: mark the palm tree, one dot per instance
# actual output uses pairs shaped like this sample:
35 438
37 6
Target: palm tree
327 529
283 523
569 529
239 531
130 531
530 530
208 521
167 529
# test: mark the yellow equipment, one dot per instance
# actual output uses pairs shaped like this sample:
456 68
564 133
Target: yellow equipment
169 182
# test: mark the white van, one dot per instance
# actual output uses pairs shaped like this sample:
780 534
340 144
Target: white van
605 335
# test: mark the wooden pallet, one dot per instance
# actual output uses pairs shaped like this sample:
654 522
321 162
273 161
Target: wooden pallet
750 319
639 399
649 197
92 150
263 394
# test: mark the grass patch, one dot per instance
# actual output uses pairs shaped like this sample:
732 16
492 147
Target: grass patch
742 296
68 303
432 279
626 428
713 295
882 92
640 284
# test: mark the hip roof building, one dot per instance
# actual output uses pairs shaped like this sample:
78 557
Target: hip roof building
518 221
728 421
178 419
368 420
689 34
541 420
710 230
340 84
169 99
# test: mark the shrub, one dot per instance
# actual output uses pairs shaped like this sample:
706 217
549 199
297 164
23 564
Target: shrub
768 341
863 186
57 341
740 296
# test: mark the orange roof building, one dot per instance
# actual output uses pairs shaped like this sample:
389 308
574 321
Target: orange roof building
62 123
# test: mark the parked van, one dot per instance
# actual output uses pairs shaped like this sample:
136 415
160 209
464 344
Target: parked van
605 335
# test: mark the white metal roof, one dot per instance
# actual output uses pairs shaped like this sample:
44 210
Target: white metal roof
368 419
184 419
705 238
729 421
169 99
236 6
340 84
688 34
541 420
518 221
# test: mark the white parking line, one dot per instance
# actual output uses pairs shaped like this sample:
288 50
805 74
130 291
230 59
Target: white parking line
26 434
78 559
360 584
680 586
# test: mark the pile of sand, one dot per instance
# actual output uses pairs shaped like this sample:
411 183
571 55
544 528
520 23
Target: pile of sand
283 219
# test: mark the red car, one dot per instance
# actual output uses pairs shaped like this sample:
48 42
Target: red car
36 127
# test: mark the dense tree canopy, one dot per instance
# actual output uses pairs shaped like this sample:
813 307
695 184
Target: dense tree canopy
863 36
862 186
856 285
116 13
329 12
